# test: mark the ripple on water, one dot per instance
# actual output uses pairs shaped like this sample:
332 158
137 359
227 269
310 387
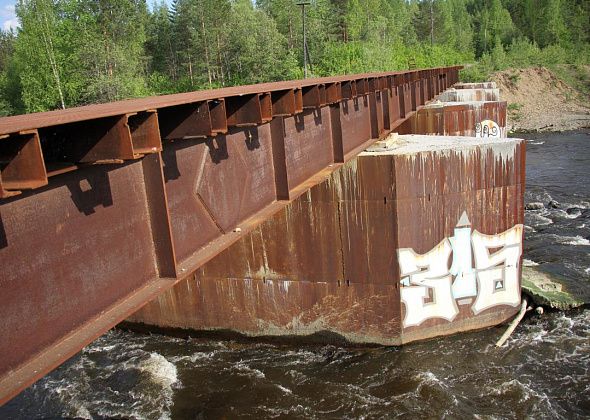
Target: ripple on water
535 220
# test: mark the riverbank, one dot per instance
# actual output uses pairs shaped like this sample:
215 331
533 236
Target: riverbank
540 99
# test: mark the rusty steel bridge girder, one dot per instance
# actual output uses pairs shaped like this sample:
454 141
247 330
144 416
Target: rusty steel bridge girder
104 207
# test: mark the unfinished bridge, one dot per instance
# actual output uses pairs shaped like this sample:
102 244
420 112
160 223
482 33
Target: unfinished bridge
105 207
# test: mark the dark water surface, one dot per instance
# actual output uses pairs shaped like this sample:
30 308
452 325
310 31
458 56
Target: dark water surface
542 373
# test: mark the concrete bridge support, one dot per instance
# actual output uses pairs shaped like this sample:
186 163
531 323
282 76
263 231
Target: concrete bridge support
468 94
417 238
475 118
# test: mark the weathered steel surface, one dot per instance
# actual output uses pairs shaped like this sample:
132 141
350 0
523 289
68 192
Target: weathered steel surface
53 278
355 122
308 144
103 207
459 119
91 112
329 261
215 183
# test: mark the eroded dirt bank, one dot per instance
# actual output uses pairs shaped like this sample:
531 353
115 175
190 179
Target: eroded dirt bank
538 100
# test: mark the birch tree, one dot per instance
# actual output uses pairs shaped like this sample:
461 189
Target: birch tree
41 61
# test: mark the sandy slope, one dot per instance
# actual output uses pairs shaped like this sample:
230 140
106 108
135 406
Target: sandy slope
541 101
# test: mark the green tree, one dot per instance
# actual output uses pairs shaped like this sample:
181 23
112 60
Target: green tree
7 79
255 48
555 32
40 55
493 21
160 44
111 51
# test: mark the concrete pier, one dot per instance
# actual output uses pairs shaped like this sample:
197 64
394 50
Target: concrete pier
476 85
469 95
417 238
475 118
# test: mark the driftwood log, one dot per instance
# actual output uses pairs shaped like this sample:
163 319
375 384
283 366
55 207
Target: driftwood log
513 324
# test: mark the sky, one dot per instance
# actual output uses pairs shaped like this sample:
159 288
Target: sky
7 17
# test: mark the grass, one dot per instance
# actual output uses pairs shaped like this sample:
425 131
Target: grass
514 106
574 75
514 78
514 111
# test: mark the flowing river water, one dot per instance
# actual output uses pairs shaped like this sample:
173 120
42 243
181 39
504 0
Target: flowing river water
543 372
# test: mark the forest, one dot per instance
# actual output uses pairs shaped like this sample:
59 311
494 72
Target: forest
75 52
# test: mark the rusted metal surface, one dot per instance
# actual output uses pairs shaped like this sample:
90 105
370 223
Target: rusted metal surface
46 119
329 261
280 307
355 122
308 144
103 207
482 119
53 278
21 164
126 130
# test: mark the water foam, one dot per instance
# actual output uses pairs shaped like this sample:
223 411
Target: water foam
284 389
573 240
246 370
160 369
573 215
539 219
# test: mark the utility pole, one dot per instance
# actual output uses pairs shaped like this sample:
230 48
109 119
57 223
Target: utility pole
431 22
303 4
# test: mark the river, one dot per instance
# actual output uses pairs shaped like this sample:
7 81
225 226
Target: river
543 372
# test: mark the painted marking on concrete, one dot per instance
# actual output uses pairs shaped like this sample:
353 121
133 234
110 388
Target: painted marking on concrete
430 289
488 128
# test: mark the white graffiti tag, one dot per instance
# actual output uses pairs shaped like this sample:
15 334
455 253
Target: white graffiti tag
488 128
428 273
497 273
462 268
430 288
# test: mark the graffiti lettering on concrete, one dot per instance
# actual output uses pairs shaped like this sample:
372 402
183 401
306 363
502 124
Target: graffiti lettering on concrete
483 273
428 285
487 128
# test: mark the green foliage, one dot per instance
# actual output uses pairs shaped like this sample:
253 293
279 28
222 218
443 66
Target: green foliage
514 78
112 49
514 106
575 75
521 54
256 48
6 52
474 73
73 52
76 52
41 56
514 111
